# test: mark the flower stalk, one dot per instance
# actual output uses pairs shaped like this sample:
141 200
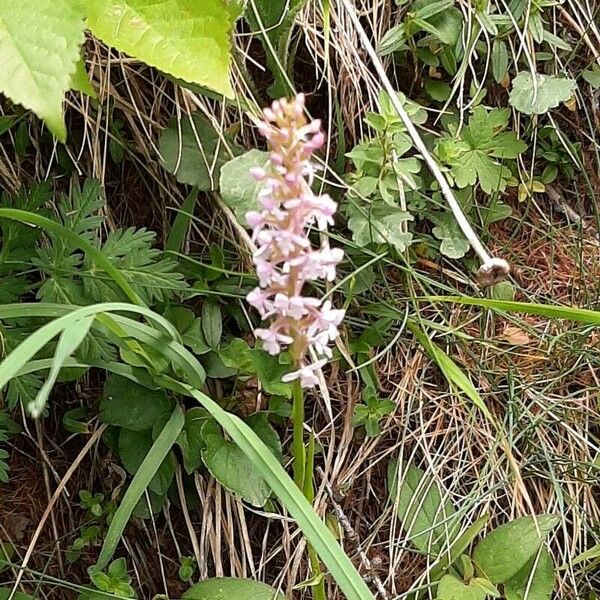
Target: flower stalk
286 261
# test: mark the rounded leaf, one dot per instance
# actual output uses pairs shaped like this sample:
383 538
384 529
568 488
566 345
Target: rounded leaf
506 550
231 588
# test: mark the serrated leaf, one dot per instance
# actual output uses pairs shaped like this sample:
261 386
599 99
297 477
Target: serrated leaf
230 588
132 406
428 520
551 91
39 49
535 581
238 188
380 224
193 152
185 38
506 550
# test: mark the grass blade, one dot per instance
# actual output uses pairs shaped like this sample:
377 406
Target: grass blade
161 447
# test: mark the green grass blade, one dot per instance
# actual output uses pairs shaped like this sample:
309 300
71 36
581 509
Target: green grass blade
181 224
451 371
571 313
70 339
161 447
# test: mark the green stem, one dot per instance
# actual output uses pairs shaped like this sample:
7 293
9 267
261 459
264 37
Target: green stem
298 435
303 477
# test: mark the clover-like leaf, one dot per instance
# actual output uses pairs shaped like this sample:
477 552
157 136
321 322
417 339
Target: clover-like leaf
537 96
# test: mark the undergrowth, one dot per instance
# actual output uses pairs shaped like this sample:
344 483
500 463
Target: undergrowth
147 440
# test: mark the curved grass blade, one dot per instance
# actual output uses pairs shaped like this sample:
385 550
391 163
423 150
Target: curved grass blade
161 447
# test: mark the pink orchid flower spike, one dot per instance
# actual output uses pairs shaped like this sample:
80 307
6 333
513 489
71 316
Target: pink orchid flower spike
285 258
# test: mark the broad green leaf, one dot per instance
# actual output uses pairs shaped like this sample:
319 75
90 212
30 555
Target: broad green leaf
151 463
430 523
190 440
238 188
6 593
230 588
393 40
132 406
193 152
551 91
185 38
503 552
448 25
232 469
592 75
535 581
39 50
380 224
452 588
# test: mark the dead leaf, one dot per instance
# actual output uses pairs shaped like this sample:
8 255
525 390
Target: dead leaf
515 335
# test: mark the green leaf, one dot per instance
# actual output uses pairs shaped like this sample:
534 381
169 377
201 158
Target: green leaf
212 322
185 38
592 76
161 447
448 25
132 406
551 91
80 82
430 523
454 243
452 588
238 188
179 230
6 593
472 156
393 40
502 553
190 440
192 150
232 469
380 224
535 581
499 60
230 588
39 49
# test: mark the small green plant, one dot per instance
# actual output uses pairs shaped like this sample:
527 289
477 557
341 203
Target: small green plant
187 568
8 428
114 581
371 413
508 562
